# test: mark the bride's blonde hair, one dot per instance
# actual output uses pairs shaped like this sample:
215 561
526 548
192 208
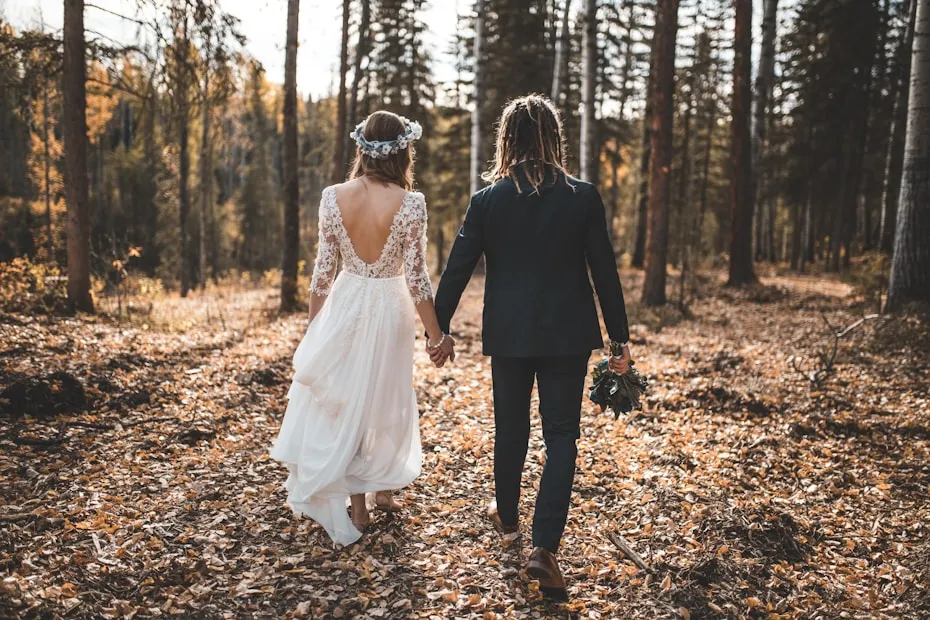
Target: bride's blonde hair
529 131
396 168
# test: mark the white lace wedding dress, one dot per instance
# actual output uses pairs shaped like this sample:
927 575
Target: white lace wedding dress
351 424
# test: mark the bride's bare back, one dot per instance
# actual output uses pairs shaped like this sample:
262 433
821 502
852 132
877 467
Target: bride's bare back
368 211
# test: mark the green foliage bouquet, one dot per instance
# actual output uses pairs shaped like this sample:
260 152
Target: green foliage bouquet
620 393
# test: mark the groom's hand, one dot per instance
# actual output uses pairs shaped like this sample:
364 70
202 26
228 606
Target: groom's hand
621 365
440 355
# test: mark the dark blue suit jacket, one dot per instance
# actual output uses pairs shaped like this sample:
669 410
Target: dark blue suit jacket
539 248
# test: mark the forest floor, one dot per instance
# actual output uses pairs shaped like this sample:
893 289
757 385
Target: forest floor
136 476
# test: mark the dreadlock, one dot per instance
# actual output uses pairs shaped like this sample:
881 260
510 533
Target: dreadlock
529 132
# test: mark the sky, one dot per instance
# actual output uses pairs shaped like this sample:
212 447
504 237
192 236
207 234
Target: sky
263 23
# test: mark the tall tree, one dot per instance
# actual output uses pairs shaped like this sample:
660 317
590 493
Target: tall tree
476 127
562 46
763 88
339 153
74 130
361 53
895 152
182 84
290 255
741 267
588 155
910 264
660 159
642 206
206 179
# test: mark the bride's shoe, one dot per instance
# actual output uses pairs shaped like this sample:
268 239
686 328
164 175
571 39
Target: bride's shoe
385 501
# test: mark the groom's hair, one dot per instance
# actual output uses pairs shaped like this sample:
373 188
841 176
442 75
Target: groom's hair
529 132
396 168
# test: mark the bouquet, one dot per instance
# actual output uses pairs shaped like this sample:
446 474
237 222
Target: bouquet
620 393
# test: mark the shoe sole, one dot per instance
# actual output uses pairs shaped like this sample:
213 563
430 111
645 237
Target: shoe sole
539 573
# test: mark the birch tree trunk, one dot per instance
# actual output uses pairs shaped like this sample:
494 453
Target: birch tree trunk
660 160
763 89
910 263
290 255
74 130
587 154
561 55
895 154
476 158
339 153
741 199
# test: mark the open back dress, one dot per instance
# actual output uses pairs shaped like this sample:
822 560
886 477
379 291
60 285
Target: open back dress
351 424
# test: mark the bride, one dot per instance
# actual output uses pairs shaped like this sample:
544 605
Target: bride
351 425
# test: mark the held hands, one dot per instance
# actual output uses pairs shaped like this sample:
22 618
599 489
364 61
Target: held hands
441 351
621 364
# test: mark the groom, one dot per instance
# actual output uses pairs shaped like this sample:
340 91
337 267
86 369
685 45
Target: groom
540 231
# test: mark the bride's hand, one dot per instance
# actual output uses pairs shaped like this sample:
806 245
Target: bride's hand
621 365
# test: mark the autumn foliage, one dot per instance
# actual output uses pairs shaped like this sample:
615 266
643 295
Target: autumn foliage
136 475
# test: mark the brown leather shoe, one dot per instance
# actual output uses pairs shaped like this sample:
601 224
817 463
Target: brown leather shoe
543 567
509 533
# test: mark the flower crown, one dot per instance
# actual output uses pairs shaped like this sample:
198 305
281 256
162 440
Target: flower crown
382 149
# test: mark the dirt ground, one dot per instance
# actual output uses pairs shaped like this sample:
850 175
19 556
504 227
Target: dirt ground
766 477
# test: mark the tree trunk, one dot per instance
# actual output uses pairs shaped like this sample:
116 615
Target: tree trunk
339 153
184 196
708 150
910 263
741 200
639 246
895 154
615 162
587 154
205 176
660 161
49 243
628 60
290 255
684 178
361 52
74 131
561 54
763 88
476 159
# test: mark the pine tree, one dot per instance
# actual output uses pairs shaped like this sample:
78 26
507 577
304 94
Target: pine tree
588 155
74 130
290 254
663 86
339 153
741 267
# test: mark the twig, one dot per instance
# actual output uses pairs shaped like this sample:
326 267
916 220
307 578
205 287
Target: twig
149 421
627 550
93 425
867 317
828 358
17 516
39 443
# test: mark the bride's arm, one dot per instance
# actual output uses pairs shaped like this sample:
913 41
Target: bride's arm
327 257
418 280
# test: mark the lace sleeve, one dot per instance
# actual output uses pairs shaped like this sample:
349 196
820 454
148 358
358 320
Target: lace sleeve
415 268
327 252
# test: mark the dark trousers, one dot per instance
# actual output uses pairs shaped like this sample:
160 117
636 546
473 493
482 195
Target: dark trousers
561 383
